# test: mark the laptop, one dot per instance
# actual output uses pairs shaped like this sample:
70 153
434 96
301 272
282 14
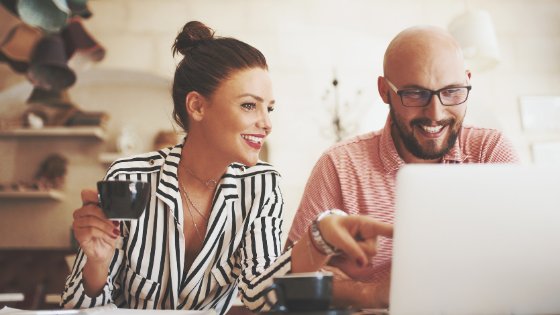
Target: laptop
476 239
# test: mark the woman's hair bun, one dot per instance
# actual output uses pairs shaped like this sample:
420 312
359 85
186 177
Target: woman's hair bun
192 33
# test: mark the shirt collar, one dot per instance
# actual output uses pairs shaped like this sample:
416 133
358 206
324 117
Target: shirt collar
168 185
455 154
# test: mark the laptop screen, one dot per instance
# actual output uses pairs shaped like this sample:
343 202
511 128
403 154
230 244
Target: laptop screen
476 239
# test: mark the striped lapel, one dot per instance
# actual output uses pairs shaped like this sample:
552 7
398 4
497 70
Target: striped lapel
218 224
168 192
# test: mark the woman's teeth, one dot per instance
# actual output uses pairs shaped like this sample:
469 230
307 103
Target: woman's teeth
252 138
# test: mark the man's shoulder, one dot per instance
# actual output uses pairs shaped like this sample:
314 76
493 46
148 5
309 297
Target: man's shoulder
356 143
484 145
476 134
475 130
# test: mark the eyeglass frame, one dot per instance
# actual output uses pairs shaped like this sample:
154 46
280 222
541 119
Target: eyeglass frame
432 93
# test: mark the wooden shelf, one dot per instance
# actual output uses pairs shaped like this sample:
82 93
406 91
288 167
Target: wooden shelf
32 194
95 132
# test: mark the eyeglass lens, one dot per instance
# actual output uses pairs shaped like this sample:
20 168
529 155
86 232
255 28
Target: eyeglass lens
419 97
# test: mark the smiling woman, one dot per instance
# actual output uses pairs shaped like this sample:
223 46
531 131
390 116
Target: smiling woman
213 223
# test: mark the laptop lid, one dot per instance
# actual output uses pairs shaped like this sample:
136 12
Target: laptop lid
476 239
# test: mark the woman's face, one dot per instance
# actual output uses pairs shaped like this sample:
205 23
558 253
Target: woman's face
236 119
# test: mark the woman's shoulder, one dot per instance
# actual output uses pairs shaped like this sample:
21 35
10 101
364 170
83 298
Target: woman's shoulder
261 167
142 163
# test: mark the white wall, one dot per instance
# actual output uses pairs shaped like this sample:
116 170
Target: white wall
306 41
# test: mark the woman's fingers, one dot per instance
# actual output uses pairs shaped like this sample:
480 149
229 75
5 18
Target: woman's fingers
95 224
90 221
86 234
90 215
90 196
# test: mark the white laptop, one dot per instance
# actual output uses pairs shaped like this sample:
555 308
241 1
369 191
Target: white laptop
476 239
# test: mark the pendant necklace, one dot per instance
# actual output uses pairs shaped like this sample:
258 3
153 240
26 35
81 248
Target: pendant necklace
189 201
211 183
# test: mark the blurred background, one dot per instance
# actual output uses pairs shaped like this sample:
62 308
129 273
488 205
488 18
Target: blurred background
324 58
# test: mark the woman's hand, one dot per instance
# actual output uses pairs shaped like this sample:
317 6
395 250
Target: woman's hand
94 232
355 235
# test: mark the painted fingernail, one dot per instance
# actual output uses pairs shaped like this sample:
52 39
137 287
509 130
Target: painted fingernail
116 223
116 232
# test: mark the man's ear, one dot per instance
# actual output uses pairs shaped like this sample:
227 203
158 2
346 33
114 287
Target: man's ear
195 102
383 88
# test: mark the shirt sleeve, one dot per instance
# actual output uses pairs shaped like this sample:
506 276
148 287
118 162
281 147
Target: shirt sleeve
261 255
322 192
74 295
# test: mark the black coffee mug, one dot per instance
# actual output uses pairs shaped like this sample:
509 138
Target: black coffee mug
309 291
123 200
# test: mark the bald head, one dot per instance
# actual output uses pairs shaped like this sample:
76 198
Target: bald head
421 45
425 56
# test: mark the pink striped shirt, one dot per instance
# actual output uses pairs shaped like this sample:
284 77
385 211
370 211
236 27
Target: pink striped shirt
358 176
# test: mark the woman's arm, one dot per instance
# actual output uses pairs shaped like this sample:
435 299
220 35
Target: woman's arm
96 267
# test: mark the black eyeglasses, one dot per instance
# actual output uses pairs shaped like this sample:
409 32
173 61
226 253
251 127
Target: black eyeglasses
416 97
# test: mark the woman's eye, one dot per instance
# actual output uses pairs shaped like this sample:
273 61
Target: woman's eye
249 106
270 109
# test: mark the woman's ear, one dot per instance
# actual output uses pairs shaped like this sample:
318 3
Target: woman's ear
194 102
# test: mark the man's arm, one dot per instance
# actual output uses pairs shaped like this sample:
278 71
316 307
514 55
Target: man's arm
322 192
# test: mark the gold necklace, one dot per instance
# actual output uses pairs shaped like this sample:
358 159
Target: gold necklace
211 183
189 201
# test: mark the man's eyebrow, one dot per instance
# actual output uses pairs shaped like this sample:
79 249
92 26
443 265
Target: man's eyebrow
258 98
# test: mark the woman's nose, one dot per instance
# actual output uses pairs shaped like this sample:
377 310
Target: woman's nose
264 122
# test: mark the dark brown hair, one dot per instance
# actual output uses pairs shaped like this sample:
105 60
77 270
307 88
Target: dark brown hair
207 62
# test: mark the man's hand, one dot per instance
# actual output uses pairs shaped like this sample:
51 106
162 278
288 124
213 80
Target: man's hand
355 235
357 294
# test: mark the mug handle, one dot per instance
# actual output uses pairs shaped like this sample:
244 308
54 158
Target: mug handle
279 305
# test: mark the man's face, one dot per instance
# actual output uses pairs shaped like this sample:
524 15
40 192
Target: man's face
423 134
426 133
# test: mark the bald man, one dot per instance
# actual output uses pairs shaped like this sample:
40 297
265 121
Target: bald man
426 87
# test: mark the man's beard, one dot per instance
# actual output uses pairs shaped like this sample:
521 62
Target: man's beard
430 151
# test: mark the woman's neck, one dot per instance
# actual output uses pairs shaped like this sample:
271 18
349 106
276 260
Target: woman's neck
201 162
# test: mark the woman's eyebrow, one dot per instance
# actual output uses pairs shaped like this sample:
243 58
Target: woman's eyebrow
258 98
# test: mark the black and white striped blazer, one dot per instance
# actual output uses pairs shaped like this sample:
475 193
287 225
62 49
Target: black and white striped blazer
241 249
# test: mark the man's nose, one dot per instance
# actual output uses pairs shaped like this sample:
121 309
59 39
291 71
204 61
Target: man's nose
435 110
